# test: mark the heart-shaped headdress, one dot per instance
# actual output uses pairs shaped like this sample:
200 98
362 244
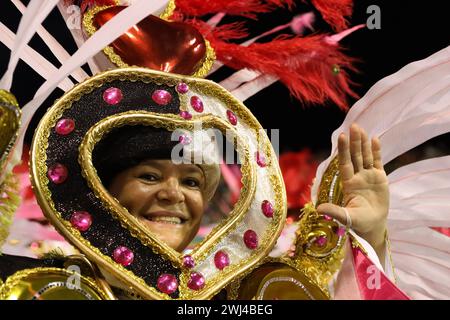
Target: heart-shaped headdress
67 184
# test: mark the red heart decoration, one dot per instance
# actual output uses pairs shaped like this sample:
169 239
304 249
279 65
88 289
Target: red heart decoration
157 44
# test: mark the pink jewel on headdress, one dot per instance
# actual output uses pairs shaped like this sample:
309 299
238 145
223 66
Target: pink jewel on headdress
327 217
260 159
184 139
197 104
267 208
112 96
321 241
64 126
167 283
340 231
182 88
232 117
81 220
162 97
196 282
251 239
188 261
186 115
221 260
57 173
123 255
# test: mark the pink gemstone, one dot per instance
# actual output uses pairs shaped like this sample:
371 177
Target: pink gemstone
65 126
182 87
267 208
221 260
186 115
57 173
188 261
251 239
260 159
197 104
232 117
328 218
196 282
184 139
162 97
167 283
340 231
321 241
81 220
123 255
112 96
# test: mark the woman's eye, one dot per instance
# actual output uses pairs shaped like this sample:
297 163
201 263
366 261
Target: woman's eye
148 177
193 183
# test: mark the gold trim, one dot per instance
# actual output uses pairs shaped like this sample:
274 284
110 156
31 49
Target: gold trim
388 249
320 263
355 244
8 204
15 279
6 96
169 10
234 288
330 189
205 87
95 273
88 26
10 119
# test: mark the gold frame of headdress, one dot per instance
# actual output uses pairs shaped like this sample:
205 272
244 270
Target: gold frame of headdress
90 29
205 87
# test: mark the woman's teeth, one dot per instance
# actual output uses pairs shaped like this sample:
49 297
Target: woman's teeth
174 220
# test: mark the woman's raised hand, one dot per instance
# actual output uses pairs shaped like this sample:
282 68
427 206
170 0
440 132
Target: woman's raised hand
365 187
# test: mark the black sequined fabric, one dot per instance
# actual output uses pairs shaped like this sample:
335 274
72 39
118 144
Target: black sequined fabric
105 233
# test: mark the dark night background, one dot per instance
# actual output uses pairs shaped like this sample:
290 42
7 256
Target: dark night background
410 31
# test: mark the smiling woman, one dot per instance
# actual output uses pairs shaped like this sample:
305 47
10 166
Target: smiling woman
134 164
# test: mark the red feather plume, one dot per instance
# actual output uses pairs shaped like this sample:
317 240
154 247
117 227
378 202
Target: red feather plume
334 12
303 64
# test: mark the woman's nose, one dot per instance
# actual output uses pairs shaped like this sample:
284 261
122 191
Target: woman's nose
171 191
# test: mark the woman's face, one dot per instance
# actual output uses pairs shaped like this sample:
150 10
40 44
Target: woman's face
166 197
